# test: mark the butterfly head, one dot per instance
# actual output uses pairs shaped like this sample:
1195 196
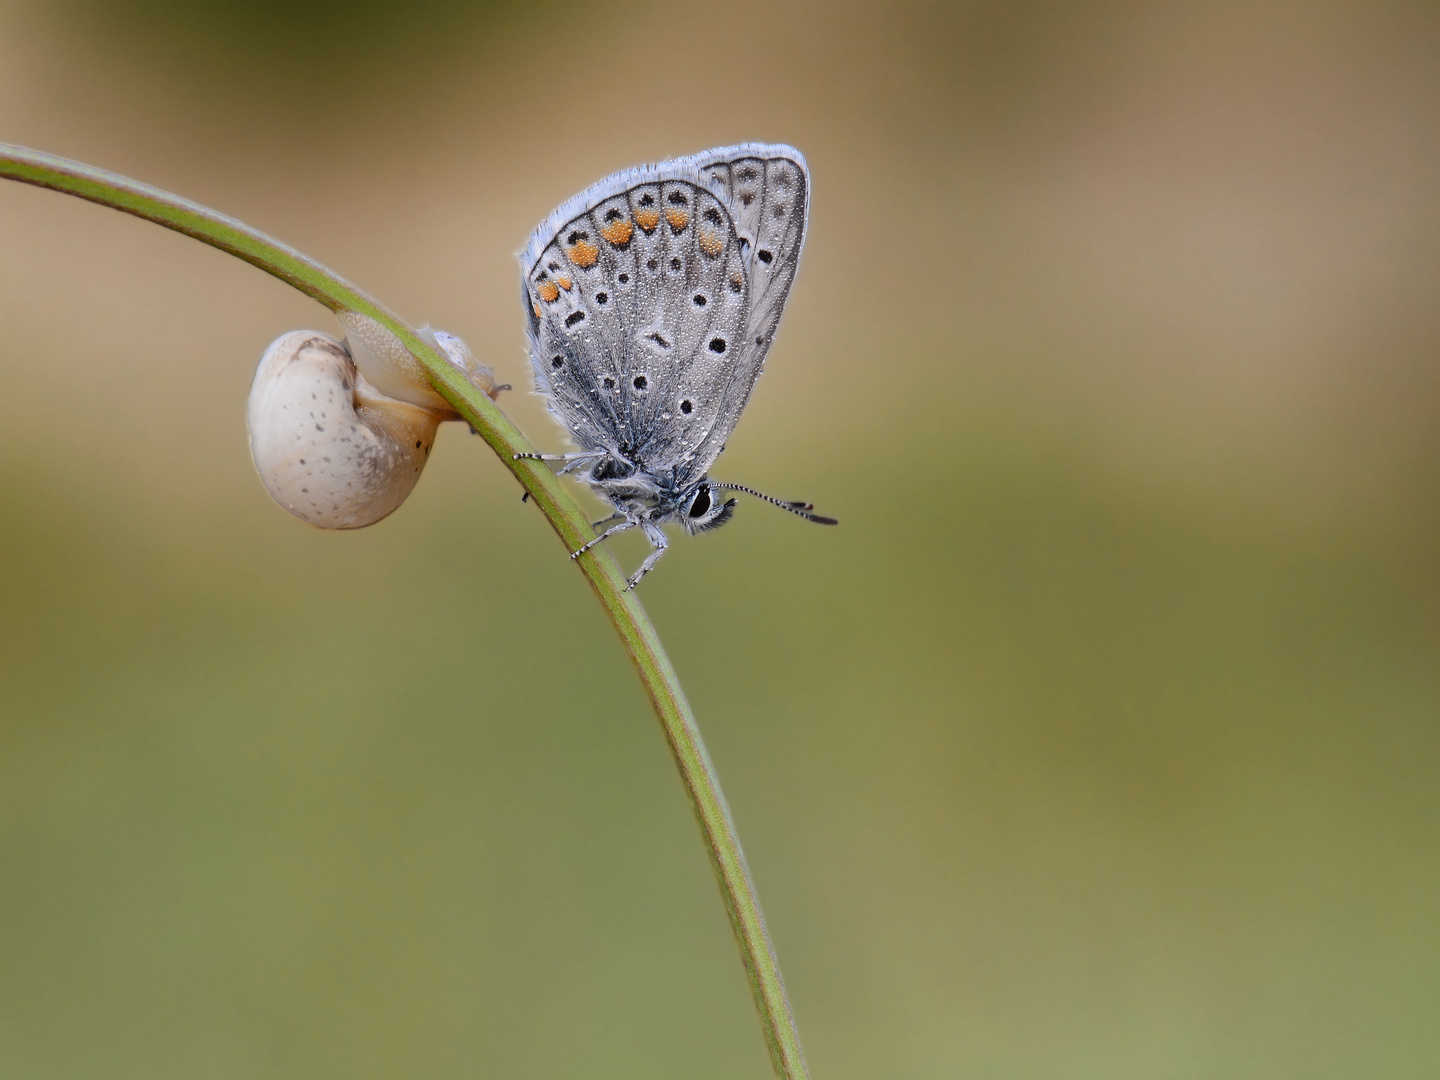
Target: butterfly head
702 510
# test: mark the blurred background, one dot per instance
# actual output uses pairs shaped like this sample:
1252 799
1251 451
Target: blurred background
1099 740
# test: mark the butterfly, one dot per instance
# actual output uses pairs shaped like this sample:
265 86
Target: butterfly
652 299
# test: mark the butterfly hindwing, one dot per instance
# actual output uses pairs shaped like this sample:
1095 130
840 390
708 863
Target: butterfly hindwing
639 310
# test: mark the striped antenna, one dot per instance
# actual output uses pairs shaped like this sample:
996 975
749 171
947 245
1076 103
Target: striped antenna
801 509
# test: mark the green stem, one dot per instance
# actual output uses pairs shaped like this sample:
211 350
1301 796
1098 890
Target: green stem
565 517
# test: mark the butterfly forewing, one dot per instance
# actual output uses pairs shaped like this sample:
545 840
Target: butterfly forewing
767 188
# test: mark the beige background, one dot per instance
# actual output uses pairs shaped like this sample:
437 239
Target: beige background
1100 740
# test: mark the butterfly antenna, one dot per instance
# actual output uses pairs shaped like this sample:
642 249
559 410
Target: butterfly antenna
802 509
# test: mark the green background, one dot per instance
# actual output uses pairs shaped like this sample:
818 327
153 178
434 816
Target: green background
1099 740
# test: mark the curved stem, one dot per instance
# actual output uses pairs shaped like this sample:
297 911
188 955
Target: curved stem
565 517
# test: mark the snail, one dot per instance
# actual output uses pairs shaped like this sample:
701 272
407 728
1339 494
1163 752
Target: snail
340 431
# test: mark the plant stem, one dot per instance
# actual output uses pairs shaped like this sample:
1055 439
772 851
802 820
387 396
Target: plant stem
565 517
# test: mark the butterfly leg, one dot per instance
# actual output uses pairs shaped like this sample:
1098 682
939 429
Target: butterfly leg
656 536
572 461
617 516
627 524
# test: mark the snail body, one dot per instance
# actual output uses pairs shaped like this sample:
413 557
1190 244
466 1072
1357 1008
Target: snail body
340 435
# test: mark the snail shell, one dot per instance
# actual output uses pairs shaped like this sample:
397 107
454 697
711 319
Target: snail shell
340 436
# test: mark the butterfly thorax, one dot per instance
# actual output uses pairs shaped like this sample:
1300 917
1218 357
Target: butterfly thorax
643 497
628 484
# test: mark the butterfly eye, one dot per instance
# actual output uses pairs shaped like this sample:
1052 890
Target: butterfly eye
700 505
705 512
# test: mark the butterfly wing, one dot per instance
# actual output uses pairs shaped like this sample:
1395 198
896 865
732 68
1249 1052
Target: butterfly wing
653 297
767 186
638 300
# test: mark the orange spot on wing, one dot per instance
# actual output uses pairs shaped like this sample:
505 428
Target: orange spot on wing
619 231
536 308
710 244
564 283
678 219
647 219
584 254
549 292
